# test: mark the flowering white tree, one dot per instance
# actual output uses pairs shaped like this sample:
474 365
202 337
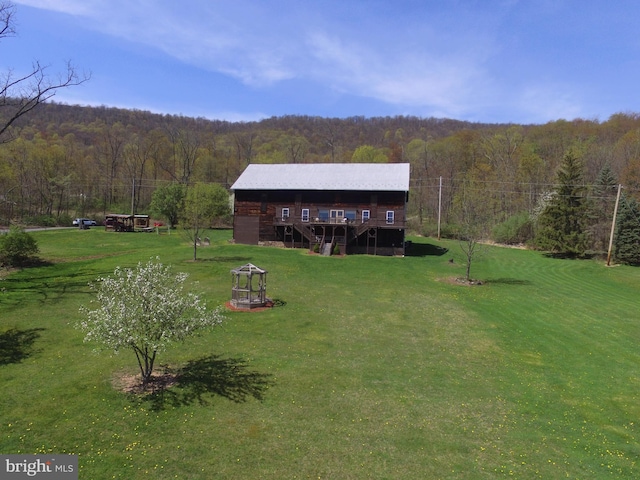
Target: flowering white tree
145 309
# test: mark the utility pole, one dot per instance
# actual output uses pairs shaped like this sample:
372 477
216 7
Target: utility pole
133 196
613 225
439 206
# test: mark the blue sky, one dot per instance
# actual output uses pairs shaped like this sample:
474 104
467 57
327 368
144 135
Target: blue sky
523 61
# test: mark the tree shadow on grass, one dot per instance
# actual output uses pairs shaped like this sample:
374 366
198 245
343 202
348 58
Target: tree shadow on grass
570 256
17 345
51 285
226 259
508 281
200 380
32 262
424 250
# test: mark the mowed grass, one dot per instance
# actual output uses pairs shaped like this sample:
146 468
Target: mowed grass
368 367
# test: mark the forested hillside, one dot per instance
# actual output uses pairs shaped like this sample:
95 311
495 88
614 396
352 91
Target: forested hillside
71 160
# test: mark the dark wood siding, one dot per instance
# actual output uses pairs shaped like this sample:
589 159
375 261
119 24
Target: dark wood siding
268 205
246 230
258 214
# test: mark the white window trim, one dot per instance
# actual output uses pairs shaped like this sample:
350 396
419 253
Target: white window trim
305 215
285 213
366 215
391 217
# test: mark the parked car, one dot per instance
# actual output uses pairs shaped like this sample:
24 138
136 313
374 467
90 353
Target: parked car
84 221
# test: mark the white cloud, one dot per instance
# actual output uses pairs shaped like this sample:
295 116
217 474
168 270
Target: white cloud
261 46
418 78
213 36
418 56
71 7
544 101
70 97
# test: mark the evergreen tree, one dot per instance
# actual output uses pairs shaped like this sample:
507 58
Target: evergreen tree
627 238
601 206
606 184
562 225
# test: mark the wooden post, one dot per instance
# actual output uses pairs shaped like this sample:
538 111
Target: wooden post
439 206
613 225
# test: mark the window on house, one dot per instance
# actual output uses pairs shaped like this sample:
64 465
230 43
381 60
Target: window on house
390 216
350 215
305 214
337 216
323 215
366 215
285 213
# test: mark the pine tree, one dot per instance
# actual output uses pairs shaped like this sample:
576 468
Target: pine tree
562 225
627 238
601 206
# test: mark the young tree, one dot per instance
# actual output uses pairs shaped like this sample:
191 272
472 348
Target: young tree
19 95
472 213
562 225
145 309
627 239
168 201
204 203
469 243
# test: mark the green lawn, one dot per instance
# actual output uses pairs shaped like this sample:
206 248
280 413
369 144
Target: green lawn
369 367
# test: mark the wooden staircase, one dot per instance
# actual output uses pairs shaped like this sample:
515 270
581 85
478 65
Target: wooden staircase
306 231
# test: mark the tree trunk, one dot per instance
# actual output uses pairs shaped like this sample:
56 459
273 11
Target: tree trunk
146 360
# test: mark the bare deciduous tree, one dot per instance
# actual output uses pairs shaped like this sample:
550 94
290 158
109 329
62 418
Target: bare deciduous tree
473 215
21 93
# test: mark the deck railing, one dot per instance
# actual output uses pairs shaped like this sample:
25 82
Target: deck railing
372 222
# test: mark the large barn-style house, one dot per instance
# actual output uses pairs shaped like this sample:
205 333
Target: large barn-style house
328 208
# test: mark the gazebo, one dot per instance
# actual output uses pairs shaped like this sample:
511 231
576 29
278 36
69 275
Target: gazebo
249 287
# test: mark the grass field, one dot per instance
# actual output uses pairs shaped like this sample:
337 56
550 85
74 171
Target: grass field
369 367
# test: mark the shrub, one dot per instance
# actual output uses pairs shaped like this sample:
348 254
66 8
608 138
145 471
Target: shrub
414 226
64 220
428 229
516 229
40 221
17 248
450 230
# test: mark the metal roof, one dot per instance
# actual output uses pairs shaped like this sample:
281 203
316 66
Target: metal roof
392 177
248 268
